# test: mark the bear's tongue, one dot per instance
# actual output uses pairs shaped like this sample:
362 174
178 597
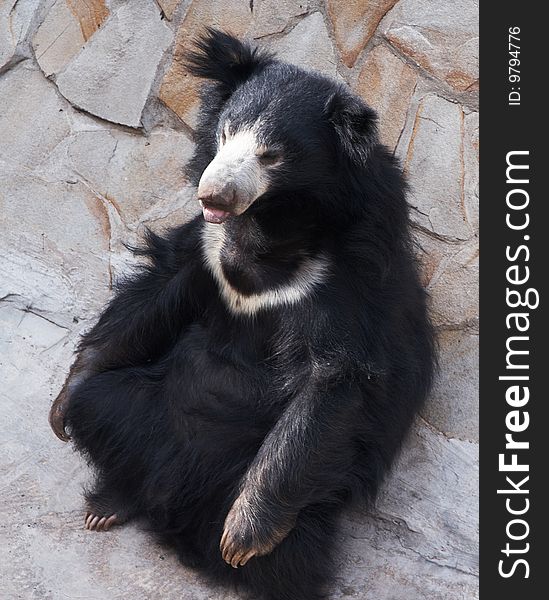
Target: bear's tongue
215 215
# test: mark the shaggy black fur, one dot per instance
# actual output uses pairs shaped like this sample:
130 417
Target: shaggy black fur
186 409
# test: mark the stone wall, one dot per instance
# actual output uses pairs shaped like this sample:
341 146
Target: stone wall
96 121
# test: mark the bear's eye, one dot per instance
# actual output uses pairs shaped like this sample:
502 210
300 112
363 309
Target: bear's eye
269 157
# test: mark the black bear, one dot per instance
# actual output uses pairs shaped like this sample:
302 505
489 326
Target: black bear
263 366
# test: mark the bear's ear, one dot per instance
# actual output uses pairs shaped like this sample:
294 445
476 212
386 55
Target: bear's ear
223 58
355 125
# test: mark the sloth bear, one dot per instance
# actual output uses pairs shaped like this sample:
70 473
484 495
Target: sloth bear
262 367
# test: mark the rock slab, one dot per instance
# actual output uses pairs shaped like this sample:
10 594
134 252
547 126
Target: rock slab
112 76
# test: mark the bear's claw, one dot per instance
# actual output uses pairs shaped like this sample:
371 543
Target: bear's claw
95 522
56 417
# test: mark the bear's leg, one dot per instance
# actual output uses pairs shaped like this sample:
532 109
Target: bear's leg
115 419
300 567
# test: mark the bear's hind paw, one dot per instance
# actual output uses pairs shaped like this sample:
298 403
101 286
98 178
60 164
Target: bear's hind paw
95 522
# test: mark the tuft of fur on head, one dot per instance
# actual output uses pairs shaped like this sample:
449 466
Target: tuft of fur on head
221 57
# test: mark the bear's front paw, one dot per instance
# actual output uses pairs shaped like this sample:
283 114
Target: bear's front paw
247 534
57 414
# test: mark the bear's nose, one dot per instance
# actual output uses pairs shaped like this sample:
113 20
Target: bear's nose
217 194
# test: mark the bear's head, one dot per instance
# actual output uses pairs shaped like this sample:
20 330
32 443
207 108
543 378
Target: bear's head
268 129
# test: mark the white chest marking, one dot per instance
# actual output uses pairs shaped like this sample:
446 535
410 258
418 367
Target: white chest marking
311 273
